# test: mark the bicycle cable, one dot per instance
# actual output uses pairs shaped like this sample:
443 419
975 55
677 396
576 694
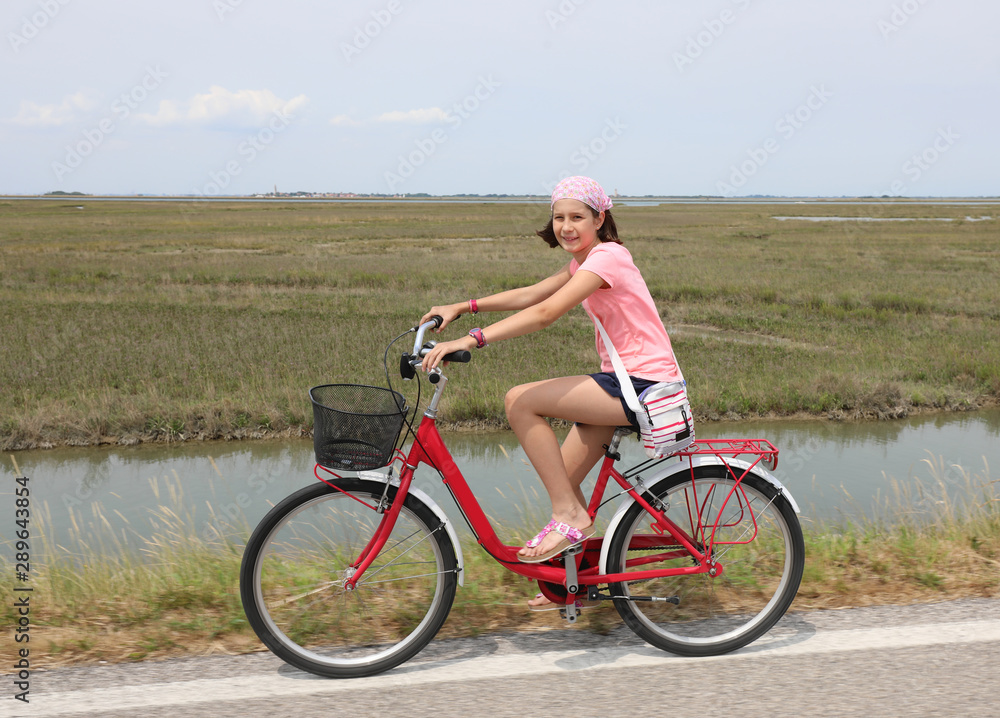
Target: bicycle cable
416 405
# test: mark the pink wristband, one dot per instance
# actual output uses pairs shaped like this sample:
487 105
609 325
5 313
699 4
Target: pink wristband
473 306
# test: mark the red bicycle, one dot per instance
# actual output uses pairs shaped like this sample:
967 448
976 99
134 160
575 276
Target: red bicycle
355 574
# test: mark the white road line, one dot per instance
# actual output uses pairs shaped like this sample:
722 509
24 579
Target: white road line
273 685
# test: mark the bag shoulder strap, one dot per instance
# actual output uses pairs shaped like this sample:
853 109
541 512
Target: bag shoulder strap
628 391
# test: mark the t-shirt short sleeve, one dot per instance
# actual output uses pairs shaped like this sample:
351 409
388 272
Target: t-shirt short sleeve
603 262
629 315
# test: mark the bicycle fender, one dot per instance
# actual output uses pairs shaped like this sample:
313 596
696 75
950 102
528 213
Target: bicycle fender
680 467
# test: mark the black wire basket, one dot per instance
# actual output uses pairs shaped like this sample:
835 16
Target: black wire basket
356 427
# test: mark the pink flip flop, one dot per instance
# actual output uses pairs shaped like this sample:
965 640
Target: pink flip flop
571 537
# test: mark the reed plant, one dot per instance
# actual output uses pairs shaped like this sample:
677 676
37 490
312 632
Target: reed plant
932 537
167 588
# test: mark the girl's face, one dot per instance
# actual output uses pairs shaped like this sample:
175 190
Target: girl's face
575 227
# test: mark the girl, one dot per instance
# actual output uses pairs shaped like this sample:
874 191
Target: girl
602 277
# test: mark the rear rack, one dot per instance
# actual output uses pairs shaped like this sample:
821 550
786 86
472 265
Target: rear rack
761 450
755 451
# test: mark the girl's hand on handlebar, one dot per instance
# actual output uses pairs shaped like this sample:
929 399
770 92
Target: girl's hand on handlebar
448 312
435 355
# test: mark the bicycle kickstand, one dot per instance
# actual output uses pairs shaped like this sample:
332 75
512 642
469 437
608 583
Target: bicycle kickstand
572 583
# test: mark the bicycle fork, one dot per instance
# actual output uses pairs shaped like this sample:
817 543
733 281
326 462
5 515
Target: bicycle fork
381 534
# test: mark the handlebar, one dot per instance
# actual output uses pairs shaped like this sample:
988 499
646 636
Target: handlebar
435 322
409 362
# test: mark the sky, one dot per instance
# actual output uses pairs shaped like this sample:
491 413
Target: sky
716 97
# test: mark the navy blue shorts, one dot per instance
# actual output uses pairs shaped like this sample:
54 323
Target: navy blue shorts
608 381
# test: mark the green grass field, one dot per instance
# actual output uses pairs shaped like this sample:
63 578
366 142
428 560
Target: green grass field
129 321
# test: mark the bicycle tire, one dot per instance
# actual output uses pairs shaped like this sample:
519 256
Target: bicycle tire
297 559
759 579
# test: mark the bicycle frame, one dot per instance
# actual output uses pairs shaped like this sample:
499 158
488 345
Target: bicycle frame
429 448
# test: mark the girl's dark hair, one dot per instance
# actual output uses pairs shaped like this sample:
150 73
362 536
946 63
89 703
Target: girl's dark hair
608 232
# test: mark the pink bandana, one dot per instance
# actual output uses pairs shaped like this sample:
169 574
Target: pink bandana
583 189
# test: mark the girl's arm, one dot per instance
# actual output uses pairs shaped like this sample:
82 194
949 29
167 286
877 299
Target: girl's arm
531 319
510 300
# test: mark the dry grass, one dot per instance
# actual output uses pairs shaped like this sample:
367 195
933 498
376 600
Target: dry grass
123 598
930 540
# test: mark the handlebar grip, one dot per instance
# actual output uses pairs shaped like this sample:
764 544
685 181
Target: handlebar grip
462 357
438 320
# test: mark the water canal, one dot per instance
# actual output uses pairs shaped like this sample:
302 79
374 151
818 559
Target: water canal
835 470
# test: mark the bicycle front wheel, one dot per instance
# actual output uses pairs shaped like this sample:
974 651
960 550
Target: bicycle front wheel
757 541
292 580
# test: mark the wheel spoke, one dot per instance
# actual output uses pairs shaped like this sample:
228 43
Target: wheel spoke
395 562
293 599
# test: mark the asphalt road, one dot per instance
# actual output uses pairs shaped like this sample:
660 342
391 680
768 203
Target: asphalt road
928 660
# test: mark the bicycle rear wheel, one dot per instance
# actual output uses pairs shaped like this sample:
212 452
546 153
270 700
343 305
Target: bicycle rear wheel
758 542
298 558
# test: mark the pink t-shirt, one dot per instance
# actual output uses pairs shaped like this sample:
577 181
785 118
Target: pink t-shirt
629 315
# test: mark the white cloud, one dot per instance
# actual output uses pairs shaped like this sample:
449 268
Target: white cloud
422 116
250 107
345 121
71 109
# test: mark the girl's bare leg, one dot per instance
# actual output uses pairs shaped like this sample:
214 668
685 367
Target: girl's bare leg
581 450
562 469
